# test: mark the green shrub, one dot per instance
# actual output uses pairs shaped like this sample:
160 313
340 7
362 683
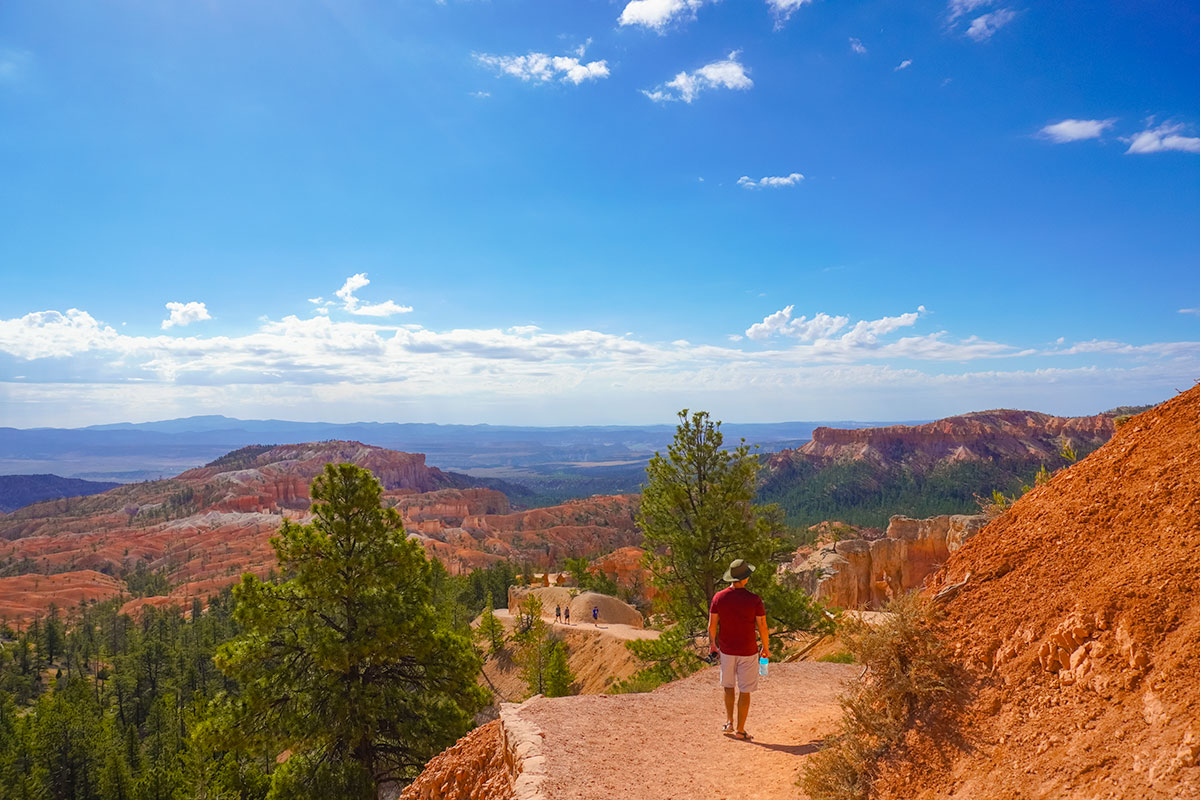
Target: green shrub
841 657
909 681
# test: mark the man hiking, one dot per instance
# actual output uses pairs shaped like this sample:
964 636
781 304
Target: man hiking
736 613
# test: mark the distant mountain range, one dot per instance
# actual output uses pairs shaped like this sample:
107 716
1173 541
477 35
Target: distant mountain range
129 452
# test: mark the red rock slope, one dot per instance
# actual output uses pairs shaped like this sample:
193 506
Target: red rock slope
209 525
1081 622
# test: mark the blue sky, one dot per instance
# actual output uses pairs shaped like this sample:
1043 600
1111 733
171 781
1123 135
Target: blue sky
560 212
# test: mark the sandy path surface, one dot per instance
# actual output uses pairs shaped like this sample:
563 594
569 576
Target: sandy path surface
668 744
623 632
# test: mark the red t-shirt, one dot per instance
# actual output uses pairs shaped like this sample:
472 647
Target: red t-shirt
736 610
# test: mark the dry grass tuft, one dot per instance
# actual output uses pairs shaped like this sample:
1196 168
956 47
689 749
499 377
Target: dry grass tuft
910 683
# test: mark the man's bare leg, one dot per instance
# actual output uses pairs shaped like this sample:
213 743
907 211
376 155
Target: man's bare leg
743 706
729 706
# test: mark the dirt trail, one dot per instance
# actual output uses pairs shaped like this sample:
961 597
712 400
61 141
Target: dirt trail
623 632
668 744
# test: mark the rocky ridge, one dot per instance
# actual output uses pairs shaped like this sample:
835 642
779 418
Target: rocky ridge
1000 435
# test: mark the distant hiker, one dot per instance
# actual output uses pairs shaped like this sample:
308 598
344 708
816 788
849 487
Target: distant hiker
558 613
595 614
733 618
567 615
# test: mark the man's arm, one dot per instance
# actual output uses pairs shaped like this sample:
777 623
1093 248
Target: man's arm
762 634
712 633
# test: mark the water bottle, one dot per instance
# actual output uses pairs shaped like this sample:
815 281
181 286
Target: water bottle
762 666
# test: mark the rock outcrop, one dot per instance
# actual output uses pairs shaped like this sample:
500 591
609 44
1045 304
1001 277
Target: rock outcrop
863 574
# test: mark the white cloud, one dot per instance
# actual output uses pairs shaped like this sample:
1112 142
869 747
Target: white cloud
353 305
480 95
770 182
1189 311
782 9
983 27
74 363
1074 130
13 64
185 314
958 8
726 74
857 46
781 324
542 68
658 14
905 64
1164 137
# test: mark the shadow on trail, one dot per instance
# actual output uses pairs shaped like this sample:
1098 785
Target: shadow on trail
790 749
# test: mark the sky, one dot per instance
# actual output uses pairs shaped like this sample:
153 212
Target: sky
551 212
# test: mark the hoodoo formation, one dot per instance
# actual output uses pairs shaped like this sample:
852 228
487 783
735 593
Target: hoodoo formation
1080 622
207 526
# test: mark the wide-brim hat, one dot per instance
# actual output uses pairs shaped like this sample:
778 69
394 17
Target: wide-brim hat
738 570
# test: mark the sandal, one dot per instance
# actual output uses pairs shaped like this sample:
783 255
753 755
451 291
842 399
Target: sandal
727 727
745 737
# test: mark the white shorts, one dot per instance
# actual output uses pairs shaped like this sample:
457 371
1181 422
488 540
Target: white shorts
743 668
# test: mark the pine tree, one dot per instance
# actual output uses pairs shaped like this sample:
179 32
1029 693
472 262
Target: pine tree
698 514
491 630
347 662
558 672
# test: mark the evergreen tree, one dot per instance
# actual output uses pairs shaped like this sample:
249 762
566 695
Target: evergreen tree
558 672
491 630
698 514
347 662
533 643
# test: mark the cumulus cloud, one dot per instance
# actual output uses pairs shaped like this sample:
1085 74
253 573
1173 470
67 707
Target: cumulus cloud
351 304
1075 130
728 73
770 182
985 26
857 46
1161 139
184 314
542 68
658 14
782 9
905 64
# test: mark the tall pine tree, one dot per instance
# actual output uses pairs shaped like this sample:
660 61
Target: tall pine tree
347 663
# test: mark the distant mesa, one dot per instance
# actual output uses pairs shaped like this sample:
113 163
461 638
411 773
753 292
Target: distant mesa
864 476
1002 435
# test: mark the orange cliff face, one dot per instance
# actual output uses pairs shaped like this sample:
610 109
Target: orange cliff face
209 525
1003 435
